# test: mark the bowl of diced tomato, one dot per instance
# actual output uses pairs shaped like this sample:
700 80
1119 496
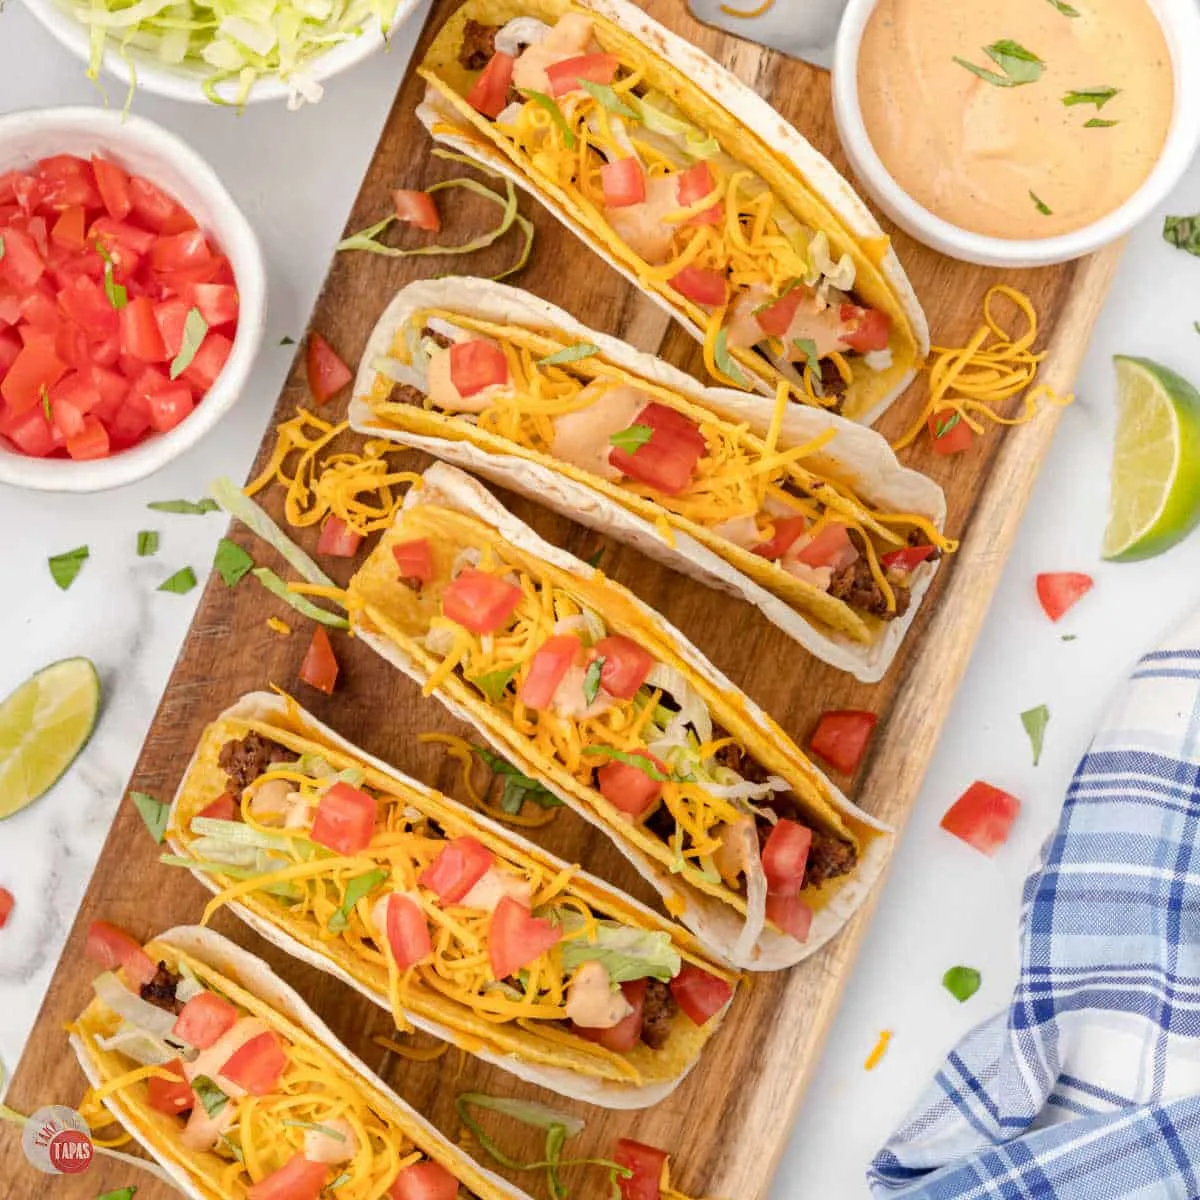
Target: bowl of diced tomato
132 299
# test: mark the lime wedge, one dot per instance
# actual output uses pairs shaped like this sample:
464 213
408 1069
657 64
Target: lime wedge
43 725
1154 500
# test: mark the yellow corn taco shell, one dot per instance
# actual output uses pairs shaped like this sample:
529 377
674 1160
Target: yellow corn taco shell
460 517
399 1131
537 1050
850 462
747 129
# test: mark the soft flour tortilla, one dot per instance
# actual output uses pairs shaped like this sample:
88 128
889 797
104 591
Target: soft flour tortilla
553 1064
857 457
385 615
748 129
249 982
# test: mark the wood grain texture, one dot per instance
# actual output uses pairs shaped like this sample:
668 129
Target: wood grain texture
728 1123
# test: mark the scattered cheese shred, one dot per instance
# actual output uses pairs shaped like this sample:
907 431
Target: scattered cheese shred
876 1055
280 627
992 367
413 1053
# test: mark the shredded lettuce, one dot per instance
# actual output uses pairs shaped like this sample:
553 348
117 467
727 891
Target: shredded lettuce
235 43
305 607
660 115
624 952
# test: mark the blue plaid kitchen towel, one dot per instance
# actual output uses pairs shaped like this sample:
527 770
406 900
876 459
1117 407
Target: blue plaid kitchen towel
1088 1087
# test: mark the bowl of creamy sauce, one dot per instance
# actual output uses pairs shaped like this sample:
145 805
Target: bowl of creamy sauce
1018 132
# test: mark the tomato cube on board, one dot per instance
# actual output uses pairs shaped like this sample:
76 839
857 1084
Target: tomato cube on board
982 817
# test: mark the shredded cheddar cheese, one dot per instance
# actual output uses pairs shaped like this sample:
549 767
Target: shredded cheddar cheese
280 627
412 1053
880 1049
994 366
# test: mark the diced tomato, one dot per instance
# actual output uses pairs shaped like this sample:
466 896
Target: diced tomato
257 1065
171 318
6 906
668 459
1060 590
84 301
785 856
955 434
209 362
787 530
982 817
625 667
906 559
551 661
480 602
565 76
130 423
489 93
39 310
297 1179
146 382
113 185
28 431
790 914
23 264
327 374
10 347
216 302
205 1017
694 184
320 666
627 1032
120 233
699 994
831 548
112 388
702 285
67 417
776 318
140 336
29 192
460 865
171 1096
91 441
345 819
68 181
37 369
841 737
180 252
476 365
415 559
223 808
426 1180
112 947
624 183
870 328
170 406
629 788
68 230
516 938
418 209
646 1163
151 205
407 931
338 539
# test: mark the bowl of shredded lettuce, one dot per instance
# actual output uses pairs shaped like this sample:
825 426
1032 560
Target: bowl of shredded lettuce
227 52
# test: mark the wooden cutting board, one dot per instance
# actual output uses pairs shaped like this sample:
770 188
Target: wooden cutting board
727 1124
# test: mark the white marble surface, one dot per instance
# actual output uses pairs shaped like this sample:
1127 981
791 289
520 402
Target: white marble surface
943 904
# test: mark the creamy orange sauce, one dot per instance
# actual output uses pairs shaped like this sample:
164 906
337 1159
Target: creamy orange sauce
981 156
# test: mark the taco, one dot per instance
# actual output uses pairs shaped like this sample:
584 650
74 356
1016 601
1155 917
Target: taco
459 927
834 541
690 185
239 1091
582 686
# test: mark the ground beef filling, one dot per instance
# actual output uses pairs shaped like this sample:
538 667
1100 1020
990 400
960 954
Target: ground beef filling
443 341
832 385
245 759
857 586
160 991
658 1014
828 857
478 45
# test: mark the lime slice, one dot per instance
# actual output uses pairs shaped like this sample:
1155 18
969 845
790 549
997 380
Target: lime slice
43 725
1155 483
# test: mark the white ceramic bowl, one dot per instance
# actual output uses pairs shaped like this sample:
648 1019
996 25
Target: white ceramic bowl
1180 20
146 149
185 81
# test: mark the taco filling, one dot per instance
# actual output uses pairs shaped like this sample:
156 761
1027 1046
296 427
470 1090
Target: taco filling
447 923
751 502
603 714
586 111
250 1105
